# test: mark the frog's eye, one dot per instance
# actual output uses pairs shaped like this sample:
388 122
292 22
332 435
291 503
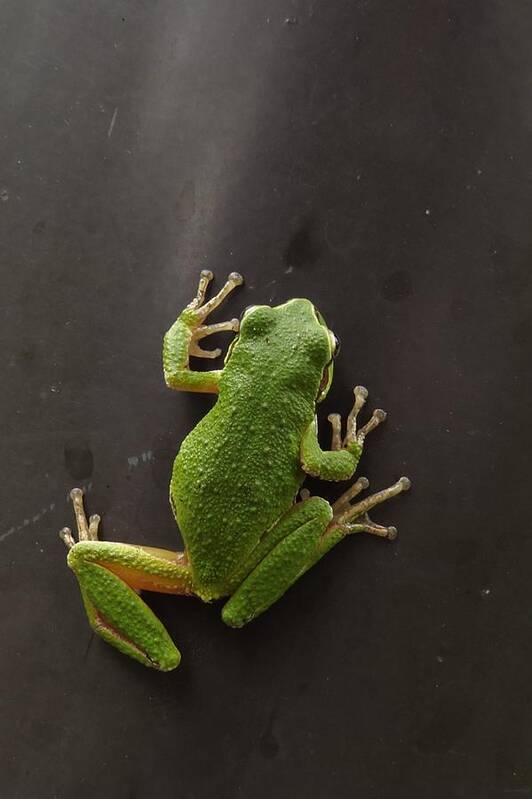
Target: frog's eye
335 344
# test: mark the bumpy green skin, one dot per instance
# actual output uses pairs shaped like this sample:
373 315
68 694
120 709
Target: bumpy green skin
285 562
239 470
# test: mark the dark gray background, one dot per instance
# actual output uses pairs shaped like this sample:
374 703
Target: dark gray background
374 157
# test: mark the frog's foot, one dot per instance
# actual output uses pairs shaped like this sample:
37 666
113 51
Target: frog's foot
182 340
354 436
87 530
198 310
110 577
353 518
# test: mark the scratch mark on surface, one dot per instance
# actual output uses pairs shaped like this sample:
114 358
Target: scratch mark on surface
27 521
113 120
133 462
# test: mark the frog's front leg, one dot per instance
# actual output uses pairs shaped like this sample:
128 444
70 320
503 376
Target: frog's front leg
340 462
181 341
111 574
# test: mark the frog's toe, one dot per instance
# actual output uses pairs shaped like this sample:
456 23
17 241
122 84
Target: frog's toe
65 534
368 526
205 278
202 309
353 434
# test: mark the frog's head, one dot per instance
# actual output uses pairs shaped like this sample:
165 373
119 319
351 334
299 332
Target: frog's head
295 336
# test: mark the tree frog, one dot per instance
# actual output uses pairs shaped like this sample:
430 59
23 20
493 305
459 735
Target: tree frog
249 531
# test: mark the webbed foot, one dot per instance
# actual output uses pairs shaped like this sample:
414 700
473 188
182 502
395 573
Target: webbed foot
198 310
352 434
87 530
353 518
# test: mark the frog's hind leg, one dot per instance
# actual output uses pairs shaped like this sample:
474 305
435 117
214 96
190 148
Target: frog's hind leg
301 538
279 559
110 575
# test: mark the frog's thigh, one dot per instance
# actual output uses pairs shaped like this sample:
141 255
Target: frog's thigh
109 576
281 566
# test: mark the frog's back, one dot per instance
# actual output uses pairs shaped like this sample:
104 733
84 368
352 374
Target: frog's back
239 470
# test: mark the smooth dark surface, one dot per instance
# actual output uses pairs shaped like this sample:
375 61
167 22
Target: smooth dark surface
374 157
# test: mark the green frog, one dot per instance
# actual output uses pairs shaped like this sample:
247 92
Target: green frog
249 530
